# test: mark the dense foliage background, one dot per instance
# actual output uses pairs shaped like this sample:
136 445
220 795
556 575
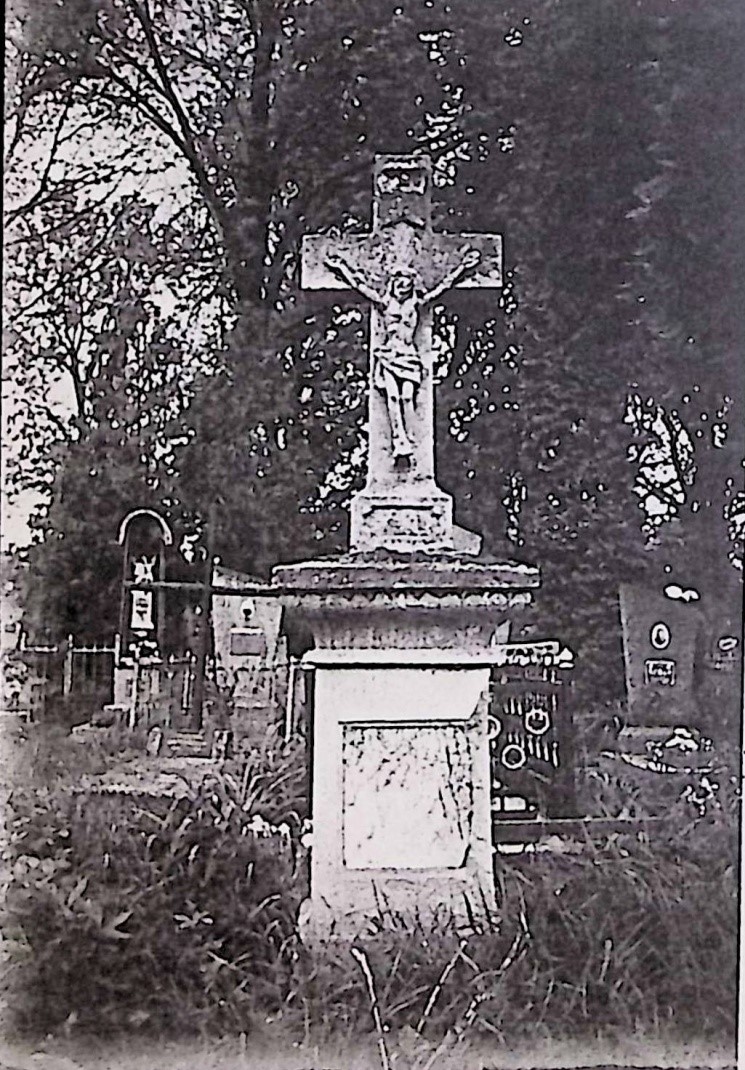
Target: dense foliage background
165 159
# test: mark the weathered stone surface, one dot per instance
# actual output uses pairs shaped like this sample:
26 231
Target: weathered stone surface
402 266
408 572
401 647
383 766
379 520
401 794
405 602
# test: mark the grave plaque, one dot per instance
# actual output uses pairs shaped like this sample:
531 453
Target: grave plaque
660 672
660 642
396 817
142 616
725 654
248 642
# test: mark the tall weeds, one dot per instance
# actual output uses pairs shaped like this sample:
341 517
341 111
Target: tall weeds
181 917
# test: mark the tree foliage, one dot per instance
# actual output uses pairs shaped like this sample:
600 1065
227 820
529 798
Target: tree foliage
587 416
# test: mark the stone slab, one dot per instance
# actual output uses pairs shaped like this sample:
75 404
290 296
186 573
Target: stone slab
401 813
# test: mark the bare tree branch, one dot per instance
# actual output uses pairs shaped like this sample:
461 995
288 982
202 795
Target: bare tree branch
83 261
142 13
34 199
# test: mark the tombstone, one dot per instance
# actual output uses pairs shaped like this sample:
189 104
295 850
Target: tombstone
402 628
660 643
249 650
143 536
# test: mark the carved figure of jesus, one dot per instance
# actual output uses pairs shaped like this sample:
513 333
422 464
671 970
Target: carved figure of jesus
398 368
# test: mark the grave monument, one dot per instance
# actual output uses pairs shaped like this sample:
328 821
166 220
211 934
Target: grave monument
405 626
144 537
662 643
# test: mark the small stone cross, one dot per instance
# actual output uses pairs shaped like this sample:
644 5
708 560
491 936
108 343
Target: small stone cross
402 266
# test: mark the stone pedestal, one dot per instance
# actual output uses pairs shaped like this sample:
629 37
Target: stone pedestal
400 776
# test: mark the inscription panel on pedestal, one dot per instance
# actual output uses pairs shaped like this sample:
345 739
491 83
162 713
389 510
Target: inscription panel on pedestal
408 521
408 796
407 526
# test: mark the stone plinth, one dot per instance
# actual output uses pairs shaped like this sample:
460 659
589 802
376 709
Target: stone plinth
401 780
380 518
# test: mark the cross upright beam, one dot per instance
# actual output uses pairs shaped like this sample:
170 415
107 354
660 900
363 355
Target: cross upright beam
402 266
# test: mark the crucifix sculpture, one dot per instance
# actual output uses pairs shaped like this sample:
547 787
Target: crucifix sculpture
402 266
398 365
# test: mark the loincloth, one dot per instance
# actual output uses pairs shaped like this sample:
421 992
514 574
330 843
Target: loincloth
404 364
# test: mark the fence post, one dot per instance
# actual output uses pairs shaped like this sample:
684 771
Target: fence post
67 667
132 716
290 699
203 639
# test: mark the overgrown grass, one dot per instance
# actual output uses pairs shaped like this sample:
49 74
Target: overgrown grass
181 918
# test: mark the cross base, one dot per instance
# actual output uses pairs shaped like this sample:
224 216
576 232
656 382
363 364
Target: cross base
407 524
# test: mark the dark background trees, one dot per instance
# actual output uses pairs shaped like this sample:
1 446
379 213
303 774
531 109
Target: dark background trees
600 138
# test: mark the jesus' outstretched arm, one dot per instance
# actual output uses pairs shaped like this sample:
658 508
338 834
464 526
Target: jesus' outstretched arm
471 258
352 278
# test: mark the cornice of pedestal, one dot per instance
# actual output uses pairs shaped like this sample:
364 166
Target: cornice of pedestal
390 574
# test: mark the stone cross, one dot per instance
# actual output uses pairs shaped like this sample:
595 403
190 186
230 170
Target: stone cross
402 266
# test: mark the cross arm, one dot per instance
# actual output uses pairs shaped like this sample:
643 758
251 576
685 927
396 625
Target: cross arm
352 278
469 260
353 250
444 264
